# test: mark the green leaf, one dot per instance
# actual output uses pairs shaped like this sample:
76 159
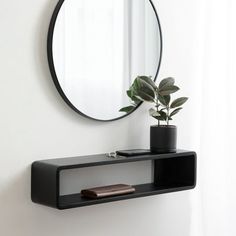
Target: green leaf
166 82
131 95
175 111
142 96
153 112
178 102
161 117
143 91
135 85
148 80
143 84
127 109
168 90
164 100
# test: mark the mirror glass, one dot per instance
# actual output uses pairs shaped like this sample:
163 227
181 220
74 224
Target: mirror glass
98 47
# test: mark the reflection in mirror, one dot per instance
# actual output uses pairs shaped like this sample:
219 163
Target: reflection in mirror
98 48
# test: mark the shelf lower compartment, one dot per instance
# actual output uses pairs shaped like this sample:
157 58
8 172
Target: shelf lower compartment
142 190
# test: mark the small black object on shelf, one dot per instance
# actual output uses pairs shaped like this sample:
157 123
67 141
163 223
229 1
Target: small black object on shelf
133 152
172 172
163 138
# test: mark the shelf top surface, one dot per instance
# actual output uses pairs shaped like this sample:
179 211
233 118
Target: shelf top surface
103 159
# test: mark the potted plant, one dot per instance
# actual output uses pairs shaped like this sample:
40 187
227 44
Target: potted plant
162 136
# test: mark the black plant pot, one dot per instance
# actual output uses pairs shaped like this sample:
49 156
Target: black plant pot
163 138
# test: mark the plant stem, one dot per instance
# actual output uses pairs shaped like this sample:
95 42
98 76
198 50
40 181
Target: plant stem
167 114
157 105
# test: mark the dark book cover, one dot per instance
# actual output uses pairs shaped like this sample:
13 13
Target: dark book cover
107 191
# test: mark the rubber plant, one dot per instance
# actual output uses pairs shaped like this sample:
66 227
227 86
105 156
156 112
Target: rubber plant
144 89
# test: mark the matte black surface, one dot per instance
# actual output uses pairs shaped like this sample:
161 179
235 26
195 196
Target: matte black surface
142 190
163 138
133 152
103 159
172 172
44 184
52 67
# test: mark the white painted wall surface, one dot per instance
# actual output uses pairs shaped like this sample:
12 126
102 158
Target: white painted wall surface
35 124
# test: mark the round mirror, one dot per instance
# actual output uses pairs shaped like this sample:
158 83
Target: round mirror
96 48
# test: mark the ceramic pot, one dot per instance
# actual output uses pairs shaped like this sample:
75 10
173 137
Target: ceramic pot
163 138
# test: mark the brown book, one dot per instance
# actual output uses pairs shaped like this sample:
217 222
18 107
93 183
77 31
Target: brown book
107 191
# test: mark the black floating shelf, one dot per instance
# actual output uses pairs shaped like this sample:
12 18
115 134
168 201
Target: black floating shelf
172 172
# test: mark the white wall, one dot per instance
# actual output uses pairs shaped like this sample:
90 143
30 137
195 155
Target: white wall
35 124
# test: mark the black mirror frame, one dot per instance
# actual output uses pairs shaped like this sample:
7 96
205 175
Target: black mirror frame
53 71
